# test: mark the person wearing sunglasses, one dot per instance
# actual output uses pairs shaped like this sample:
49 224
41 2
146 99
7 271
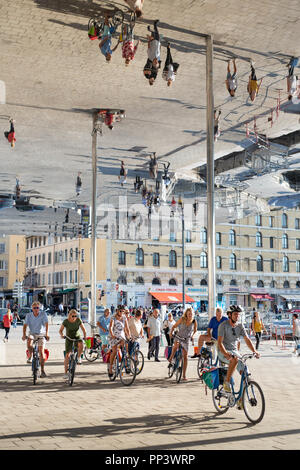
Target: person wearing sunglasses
72 325
229 333
37 322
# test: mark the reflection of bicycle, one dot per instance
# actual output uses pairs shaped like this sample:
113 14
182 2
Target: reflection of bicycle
98 24
73 357
137 356
176 366
205 358
127 28
249 397
125 368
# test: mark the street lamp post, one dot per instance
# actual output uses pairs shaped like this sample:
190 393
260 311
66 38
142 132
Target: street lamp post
94 221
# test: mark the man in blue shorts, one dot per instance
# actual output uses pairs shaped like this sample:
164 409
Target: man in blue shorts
212 330
105 43
103 325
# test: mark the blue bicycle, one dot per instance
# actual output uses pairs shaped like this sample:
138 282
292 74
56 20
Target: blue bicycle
206 358
125 368
249 397
136 355
176 366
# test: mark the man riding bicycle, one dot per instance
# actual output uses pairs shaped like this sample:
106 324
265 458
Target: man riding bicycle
229 333
37 321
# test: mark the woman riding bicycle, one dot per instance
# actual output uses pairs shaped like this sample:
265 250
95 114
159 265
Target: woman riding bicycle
72 325
187 327
118 330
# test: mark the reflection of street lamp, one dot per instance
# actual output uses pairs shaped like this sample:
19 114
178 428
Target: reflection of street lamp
180 205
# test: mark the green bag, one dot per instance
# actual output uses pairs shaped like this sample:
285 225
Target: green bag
211 377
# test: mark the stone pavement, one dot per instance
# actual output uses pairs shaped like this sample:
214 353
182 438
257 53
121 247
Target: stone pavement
154 413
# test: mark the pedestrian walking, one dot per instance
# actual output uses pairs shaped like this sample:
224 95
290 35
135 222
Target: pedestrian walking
10 135
292 79
217 131
128 47
7 321
231 78
123 174
154 329
257 327
170 67
167 326
136 6
253 86
105 43
296 330
153 166
78 184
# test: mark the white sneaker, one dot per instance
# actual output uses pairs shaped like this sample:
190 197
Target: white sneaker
28 361
66 376
79 361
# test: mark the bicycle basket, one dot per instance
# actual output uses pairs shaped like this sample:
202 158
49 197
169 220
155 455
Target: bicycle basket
211 377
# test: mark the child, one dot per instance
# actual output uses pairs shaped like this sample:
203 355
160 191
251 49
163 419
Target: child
11 134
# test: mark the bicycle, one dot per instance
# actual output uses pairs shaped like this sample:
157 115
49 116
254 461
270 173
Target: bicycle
177 364
249 397
35 364
124 368
137 356
205 359
127 28
73 358
93 353
98 23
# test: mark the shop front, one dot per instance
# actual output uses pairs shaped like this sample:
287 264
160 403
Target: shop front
262 301
165 298
290 301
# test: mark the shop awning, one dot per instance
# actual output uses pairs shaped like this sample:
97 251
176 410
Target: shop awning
262 297
295 297
65 291
170 297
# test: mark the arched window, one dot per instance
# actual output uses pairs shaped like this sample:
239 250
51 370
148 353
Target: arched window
203 235
232 238
285 264
122 280
260 283
156 281
155 259
172 259
284 220
203 282
172 282
285 241
286 285
232 261
233 282
139 280
298 284
203 260
247 284
219 262
122 257
259 239
188 261
259 263
189 282
272 265
139 257
219 282
273 284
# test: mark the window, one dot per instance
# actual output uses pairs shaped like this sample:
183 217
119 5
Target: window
233 282
232 238
122 280
172 282
259 263
76 275
189 282
203 260
139 280
271 221
71 254
70 276
272 265
66 255
203 282
156 260
286 285
188 236
156 281
43 259
259 239
82 255
218 238
285 264
271 242
172 237
273 284
219 262
298 284
172 259
260 283
284 221
203 235
232 261
297 243
297 224
298 266
122 257
258 220
139 257
2 247
285 241
188 261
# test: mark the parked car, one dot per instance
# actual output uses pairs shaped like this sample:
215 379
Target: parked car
23 312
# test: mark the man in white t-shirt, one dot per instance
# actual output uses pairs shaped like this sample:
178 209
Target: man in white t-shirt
231 79
136 6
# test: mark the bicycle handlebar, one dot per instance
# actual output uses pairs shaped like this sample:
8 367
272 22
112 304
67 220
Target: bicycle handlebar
71 339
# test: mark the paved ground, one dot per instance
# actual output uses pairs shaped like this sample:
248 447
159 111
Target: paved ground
154 413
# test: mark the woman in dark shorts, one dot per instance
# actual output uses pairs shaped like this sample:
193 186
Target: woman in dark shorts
72 325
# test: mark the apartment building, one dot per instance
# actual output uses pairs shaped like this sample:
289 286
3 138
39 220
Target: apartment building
12 266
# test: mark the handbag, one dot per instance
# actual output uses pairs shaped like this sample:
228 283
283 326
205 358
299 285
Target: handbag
210 377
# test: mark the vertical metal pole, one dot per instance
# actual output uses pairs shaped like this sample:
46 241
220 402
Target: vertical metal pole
210 178
183 260
94 222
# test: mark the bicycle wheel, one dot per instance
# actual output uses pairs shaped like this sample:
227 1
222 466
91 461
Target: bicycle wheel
220 400
170 370
72 367
35 369
202 364
114 370
178 372
91 354
139 360
118 18
253 401
127 371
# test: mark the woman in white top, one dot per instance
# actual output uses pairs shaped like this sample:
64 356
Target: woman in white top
168 323
296 330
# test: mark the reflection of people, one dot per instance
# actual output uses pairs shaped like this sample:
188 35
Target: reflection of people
291 78
217 131
123 173
170 67
153 51
128 47
253 86
153 166
10 135
78 184
136 6
231 79
105 43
